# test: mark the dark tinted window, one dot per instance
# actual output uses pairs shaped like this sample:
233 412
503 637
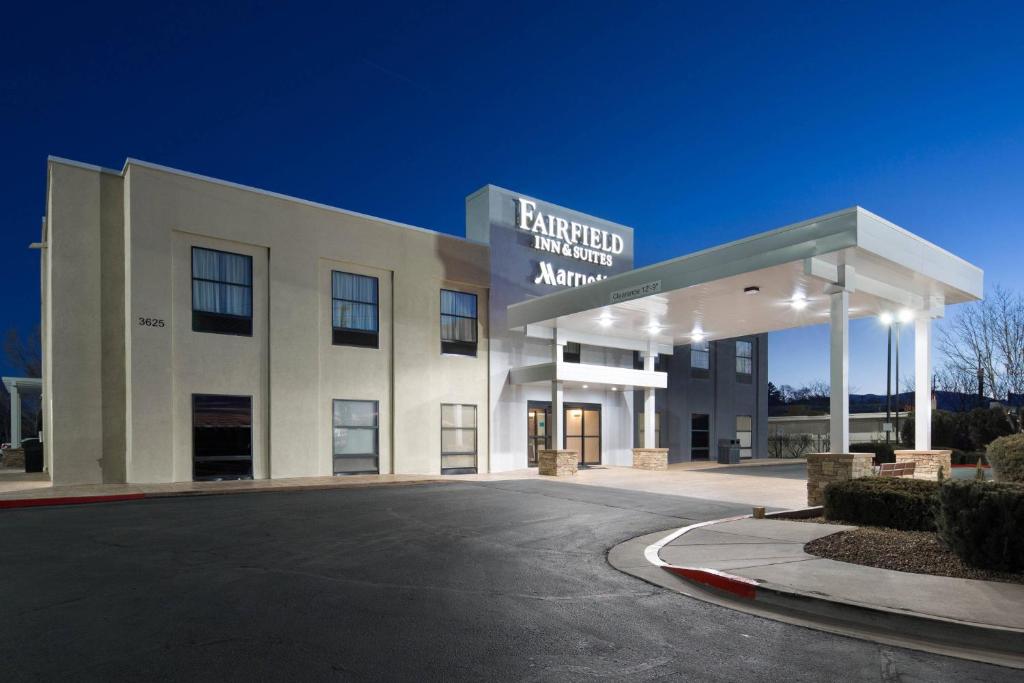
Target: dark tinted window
354 311
571 352
221 292
458 323
700 436
221 437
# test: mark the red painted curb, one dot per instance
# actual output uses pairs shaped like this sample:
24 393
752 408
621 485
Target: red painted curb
69 500
737 585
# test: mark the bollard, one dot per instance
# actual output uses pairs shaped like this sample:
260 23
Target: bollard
758 512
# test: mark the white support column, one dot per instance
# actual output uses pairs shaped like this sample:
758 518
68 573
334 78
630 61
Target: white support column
15 415
923 383
556 428
649 408
839 365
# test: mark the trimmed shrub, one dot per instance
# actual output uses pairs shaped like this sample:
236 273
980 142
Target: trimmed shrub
1006 455
983 523
907 504
883 452
970 431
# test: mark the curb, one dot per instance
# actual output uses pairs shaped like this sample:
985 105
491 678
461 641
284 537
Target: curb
967 640
15 503
68 500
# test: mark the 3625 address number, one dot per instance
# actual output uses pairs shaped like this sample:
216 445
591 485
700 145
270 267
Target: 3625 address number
152 322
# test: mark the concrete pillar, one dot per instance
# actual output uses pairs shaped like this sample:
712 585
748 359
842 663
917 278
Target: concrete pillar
839 365
649 406
923 384
15 416
556 427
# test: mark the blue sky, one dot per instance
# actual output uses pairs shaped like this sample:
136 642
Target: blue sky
695 123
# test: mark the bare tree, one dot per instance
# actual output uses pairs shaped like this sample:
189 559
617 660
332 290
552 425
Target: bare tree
24 354
988 335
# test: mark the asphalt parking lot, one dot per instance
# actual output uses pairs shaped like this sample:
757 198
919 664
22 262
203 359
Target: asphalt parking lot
503 580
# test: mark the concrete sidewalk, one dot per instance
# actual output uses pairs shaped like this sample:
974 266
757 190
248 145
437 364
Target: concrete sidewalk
14 491
762 561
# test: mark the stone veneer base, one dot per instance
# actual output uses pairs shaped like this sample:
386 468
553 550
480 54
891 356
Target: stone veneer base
927 463
654 459
825 468
557 463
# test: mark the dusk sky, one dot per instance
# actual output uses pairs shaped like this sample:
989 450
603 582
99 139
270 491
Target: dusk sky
694 123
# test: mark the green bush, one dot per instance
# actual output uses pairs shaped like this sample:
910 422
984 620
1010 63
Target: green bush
1006 455
983 523
907 504
883 452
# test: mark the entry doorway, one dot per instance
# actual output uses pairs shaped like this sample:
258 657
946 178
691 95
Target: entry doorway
538 416
581 431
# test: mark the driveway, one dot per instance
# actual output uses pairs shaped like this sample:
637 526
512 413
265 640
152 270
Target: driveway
485 580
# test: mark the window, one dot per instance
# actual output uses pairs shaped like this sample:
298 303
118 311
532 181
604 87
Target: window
744 432
221 437
700 359
354 436
744 361
660 362
458 438
658 441
354 313
458 323
571 352
700 436
221 292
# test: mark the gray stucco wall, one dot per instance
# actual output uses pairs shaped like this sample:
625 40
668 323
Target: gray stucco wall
720 396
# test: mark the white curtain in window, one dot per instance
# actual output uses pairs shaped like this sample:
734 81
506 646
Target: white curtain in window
222 282
354 301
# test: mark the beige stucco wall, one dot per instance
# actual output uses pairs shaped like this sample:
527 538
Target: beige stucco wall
82 295
288 366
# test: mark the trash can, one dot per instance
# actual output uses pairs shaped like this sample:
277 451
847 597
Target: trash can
33 455
728 451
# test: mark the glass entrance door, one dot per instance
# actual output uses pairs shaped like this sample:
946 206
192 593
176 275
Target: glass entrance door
583 431
537 436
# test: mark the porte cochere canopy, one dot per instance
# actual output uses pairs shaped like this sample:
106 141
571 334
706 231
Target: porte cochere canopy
847 264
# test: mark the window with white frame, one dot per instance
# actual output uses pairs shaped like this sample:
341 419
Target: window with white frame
744 434
458 438
355 437
744 360
700 359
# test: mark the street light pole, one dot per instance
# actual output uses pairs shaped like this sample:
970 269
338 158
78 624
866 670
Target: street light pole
888 387
897 382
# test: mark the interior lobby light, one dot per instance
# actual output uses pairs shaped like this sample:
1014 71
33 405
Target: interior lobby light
886 318
906 315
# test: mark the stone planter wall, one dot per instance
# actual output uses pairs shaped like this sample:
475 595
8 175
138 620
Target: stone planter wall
927 463
557 463
825 468
655 459
13 457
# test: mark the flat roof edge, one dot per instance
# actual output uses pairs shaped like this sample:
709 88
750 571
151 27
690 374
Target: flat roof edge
131 161
50 158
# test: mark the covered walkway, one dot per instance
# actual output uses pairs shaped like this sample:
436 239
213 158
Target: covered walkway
848 264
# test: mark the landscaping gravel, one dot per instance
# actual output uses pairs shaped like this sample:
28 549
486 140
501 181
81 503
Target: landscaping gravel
921 552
